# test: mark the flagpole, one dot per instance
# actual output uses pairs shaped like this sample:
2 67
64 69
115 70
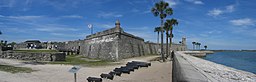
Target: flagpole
92 30
90 27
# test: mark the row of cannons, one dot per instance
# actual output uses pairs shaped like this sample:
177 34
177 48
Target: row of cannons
130 67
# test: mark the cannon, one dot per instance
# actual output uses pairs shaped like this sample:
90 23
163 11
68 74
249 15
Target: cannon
128 67
123 70
94 79
108 76
142 64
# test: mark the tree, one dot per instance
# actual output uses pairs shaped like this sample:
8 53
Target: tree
173 22
168 26
2 42
157 29
12 44
1 33
162 9
199 45
5 43
194 43
205 47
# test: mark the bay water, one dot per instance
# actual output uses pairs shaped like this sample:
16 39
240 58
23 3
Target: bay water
241 60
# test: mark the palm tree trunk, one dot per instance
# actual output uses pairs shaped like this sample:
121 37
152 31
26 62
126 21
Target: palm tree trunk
158 37
170 39
162 40
167 48
196 47
193 46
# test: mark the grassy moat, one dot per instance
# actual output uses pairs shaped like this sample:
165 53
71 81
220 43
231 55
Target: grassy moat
80 60
13 69
35 51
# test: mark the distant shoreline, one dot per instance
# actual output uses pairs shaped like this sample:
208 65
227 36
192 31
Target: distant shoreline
234 50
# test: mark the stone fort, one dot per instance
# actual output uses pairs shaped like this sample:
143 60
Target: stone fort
112 44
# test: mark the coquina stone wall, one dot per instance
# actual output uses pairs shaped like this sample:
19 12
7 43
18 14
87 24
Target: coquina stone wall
102 46
43 56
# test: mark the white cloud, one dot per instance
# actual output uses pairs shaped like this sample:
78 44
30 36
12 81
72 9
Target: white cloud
146 12
230 8
2 16
106 25
197 2
25 17
171 3
244 26
109 15
215 12
243 22
72 16
214 32
118 15
55 28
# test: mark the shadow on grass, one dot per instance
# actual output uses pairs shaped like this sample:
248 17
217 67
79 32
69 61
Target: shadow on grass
80 60
36 51
13 69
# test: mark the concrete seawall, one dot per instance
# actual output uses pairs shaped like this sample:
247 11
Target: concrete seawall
184 71
187 68
198 53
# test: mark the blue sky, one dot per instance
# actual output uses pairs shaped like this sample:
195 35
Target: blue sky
220 24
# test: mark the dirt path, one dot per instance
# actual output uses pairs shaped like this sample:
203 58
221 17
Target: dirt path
158 72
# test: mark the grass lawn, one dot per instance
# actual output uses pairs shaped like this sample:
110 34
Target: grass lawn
79 60
35 51
13 69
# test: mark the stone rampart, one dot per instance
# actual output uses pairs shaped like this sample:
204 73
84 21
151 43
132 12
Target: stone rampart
103 47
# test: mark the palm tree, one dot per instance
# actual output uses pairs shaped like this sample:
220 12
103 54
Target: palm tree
205 47
5 43
161 9
194 43
157 29
199 45
172 22
2 42
168 26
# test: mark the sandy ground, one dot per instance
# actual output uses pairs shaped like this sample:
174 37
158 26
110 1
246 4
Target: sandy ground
158 72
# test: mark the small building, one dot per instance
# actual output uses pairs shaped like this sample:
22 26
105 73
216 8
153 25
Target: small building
29 44
33 44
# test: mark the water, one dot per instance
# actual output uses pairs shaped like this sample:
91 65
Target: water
240 60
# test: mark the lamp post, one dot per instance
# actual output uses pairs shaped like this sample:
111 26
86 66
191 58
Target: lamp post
90 27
